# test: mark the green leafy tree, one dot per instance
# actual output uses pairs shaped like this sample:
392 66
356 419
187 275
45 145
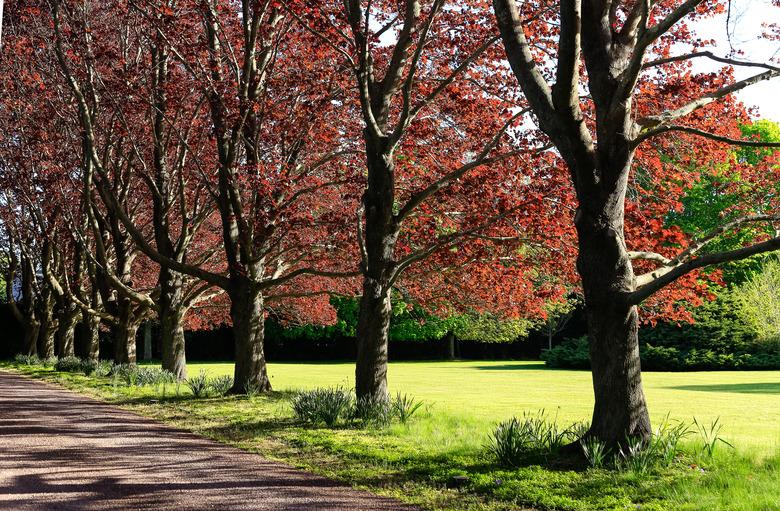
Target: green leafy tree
761 300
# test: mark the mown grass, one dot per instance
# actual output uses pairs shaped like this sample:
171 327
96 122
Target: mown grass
417 461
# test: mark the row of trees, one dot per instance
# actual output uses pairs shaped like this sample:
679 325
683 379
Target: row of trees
204 161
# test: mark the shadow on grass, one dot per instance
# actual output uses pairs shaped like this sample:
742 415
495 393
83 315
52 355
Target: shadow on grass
519 366
740 388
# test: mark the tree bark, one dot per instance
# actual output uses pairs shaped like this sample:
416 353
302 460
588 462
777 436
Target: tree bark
125 334
91 325
66 327
381 234
246 312
171 318
450 339
147 341
48 328
32 329
372 338
620 409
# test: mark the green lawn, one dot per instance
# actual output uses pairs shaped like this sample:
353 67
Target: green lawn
485 392
414 462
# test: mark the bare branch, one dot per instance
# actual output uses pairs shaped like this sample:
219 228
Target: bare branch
712 136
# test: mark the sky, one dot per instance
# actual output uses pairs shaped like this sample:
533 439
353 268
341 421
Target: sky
746 19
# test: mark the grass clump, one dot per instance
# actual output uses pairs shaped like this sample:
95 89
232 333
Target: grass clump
28 360
140 376
515 441
92 367
221 385
68 364
199 385
323 406
335 405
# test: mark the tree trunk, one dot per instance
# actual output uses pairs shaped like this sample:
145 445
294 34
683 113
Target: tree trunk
372 335
620 409
91 325
171 324
31 332
450 340
381 234
66 328
147 355
48 330
246 312
125 334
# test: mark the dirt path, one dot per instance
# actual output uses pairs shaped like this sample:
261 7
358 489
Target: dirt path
60 450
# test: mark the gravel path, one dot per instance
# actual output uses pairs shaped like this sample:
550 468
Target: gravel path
62 451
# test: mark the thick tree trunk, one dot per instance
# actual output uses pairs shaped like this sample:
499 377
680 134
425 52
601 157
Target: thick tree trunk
125 334
32 329
620 409
372 337
381 234
450 340
66 328
246 312
91 327
171 324
147 354
47 332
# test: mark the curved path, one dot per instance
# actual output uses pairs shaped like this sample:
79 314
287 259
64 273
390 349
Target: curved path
63 451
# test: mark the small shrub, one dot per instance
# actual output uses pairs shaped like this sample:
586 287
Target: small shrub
199 385
49 362
404 407
68 364
323 405
373 411
221 385
29 360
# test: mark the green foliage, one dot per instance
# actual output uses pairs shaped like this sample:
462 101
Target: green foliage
334 405
763 130
323 405
199 385
515 441
140 376
409 322
69 364
92 367
372 411
708 204
721 338
760 297
570 354
221 385
28 360
49 361
252 387
489 328
595 451
404 407
710 436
